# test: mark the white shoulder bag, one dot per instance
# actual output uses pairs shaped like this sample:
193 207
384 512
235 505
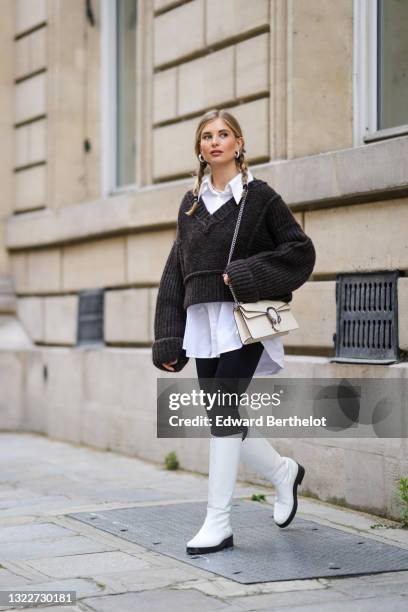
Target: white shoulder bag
263 319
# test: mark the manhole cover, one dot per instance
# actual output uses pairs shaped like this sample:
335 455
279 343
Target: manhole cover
262 551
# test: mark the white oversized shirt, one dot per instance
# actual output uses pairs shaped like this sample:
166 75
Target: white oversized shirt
210 326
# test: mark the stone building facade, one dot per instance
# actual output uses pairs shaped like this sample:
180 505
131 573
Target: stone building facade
99 104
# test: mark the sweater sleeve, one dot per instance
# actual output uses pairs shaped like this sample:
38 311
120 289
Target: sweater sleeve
274 273
170 316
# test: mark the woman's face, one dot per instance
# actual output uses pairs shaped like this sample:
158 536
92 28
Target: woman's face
218 136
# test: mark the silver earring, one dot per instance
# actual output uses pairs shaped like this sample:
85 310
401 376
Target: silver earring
201 158
237 154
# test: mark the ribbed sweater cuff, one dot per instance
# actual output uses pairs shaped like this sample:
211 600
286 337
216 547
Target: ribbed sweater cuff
169 349
242 281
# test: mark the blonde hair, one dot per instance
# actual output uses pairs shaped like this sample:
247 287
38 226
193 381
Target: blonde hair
240 161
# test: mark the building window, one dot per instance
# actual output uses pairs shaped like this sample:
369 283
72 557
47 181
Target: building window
367 317
392 58
119 21
380 69
90 317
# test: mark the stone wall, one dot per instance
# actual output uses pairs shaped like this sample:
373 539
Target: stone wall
285 70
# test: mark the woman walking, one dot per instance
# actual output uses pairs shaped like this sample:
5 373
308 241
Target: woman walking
194 310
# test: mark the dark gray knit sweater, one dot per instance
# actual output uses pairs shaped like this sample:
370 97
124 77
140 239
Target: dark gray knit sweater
272 257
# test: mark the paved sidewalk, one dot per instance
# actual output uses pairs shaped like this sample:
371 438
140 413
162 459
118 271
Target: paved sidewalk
41 480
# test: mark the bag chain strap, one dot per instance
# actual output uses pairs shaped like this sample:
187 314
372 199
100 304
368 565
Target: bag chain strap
273 319
241 210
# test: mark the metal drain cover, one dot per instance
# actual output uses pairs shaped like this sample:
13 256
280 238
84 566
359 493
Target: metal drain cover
262 552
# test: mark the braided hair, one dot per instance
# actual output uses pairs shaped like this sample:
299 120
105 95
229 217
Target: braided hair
240 161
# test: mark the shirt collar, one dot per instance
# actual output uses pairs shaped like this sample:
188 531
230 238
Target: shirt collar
234 186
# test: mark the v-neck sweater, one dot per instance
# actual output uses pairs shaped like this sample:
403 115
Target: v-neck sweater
272 258
210 326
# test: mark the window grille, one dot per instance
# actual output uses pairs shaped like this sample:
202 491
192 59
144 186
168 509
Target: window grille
367 318
90 317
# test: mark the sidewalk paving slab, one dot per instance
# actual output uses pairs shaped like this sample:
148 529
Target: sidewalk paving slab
44 480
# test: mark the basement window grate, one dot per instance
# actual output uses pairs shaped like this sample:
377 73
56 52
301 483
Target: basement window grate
367 318
90 317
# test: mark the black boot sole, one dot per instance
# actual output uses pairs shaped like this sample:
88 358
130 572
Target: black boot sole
209 549
298 480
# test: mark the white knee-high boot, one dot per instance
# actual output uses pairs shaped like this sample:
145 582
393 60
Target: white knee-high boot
283 472
216 532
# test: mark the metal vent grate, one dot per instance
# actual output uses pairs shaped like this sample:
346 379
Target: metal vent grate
367 318
90 317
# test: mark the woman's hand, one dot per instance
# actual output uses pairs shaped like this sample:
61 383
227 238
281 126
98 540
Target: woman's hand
167 365
226 278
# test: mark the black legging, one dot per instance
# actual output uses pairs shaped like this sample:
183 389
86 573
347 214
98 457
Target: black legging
231 372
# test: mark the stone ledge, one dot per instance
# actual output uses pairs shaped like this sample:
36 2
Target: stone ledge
314 181
8 302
